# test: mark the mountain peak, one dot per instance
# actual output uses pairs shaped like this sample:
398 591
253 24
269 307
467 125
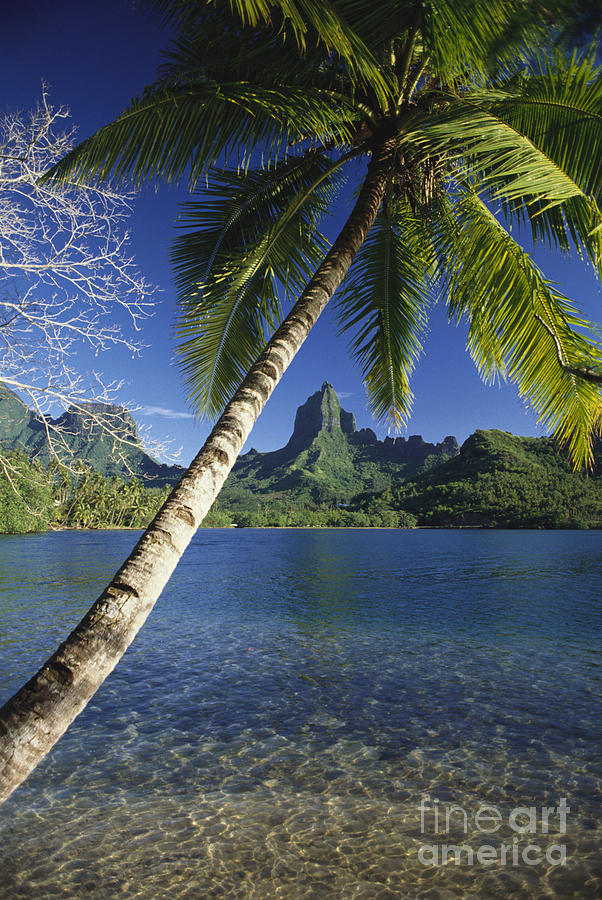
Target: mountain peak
320 412
92 419
328 460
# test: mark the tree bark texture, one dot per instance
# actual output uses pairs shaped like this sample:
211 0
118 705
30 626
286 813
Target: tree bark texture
41 711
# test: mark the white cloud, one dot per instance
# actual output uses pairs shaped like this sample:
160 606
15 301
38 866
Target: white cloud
163 411
343 395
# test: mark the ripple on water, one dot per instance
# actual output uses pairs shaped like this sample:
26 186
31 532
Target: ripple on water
274 739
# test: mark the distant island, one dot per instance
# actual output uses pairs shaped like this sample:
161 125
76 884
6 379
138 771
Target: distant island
329 474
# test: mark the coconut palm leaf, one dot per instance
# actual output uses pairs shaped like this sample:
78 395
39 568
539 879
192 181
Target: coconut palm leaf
311 23
559 109
175 128
557 193
520 326
394 21
466 38
384 305
231 213
505 163
224 51
255 237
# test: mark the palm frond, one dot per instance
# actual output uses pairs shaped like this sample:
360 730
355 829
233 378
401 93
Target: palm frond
217 47
502 161
554 189
325 21
177 128
310 23
519 323
559 109
468 38
257 236
384 304
394 21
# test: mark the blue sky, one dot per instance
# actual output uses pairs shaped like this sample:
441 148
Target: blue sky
95 57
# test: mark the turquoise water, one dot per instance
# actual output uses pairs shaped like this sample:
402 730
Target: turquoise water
296 696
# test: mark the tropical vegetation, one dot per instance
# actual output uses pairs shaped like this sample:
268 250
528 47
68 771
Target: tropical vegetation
25 495
88 500
460 127
501 481
497 481
35 498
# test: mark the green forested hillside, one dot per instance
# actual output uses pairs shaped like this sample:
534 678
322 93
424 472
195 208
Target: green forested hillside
106 483
26 499
500 480
101 435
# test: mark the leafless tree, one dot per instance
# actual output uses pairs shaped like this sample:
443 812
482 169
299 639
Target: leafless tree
67 279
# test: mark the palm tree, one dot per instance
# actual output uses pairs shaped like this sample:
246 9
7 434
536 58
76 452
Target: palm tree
462 130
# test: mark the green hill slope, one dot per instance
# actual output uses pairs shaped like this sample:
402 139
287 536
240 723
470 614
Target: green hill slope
100 435
328 461
499 480
26 500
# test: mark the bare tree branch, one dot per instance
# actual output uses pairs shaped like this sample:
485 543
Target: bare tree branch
67 280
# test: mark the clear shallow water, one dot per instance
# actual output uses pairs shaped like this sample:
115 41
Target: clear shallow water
293 698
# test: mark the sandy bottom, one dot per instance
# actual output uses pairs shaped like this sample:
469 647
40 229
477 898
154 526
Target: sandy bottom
292 820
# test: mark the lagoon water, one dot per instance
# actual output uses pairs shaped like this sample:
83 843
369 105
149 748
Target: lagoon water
296 696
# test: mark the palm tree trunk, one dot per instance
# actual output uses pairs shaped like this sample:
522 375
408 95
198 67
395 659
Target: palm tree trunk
41 711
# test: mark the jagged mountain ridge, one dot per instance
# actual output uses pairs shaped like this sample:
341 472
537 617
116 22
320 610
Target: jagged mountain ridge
104 436
328 459
323 412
